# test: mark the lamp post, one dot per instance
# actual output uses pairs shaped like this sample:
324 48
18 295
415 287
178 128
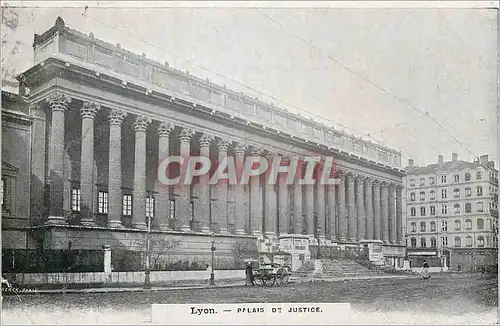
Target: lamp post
147 280
318 230
212 278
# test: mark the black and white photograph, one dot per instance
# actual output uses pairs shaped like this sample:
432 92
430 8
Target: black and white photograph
250 162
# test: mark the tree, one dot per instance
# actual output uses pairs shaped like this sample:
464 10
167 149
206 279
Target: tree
159 248
10 47
242 250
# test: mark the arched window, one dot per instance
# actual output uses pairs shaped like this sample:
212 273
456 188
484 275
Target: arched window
422 196
480 224
468 207
457 208
433 242
413 241
456 193
412 196
422 211
458 242
479 190
413 211
468 224
423 243
413 227
422 226
432 195
457 225
468 241
467 176
480 241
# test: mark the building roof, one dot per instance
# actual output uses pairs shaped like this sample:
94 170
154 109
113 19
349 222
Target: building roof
449 166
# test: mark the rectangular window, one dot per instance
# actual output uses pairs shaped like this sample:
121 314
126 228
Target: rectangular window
432 180
443 179
467 192
444 209
456 178
444 225
103 202
171 214
150 206
422 211
479 207
457 208
433 210
444 193
422 182
433 226
127 205
412 182
75 199
444 241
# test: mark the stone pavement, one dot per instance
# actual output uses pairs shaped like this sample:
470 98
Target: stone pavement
194 285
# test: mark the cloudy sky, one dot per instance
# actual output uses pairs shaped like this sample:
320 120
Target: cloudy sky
356 67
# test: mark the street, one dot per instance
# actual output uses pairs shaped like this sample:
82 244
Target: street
450 300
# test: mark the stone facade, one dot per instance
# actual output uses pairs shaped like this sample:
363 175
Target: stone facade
105 118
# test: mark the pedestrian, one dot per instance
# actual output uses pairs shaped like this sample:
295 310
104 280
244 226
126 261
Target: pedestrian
425 270
249 274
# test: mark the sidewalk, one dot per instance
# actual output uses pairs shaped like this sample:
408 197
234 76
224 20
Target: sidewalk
222 284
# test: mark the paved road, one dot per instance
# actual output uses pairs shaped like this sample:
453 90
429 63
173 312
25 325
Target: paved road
439 300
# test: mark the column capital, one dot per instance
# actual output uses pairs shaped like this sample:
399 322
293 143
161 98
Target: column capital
285 160
116 117
399 187
223 144
58 101
141 123
340 174
186 134
376 183
256 151
36 110
350 176
392 186
240 149
368 182
206 139
165 129
89 110
360 179
384 184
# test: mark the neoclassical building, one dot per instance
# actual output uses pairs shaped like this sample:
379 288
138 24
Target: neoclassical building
100 119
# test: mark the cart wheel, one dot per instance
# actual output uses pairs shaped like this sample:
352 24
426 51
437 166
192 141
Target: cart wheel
282 277
268 280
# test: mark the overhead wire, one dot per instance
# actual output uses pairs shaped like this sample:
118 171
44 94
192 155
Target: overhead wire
382 89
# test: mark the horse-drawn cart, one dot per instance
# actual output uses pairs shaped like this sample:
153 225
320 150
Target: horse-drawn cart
272 274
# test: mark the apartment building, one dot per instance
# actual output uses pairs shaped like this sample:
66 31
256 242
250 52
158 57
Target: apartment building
452 212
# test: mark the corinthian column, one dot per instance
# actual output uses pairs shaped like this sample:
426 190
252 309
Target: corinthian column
392 214
385 212
162 201
351 208
239 190
376 210
369 208
185 137
320 202
115 208
59 104
270 205
361 207
204 186
331 209
309 211
399 214
220 221
139 206
255 200
283 208
88 112
297 202
342 219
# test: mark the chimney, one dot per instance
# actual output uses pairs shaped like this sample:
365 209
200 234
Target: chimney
440 159
411 162
454 157
483 159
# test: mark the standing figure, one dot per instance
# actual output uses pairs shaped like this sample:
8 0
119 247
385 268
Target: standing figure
249 274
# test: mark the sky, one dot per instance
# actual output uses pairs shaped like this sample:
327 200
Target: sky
359 68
